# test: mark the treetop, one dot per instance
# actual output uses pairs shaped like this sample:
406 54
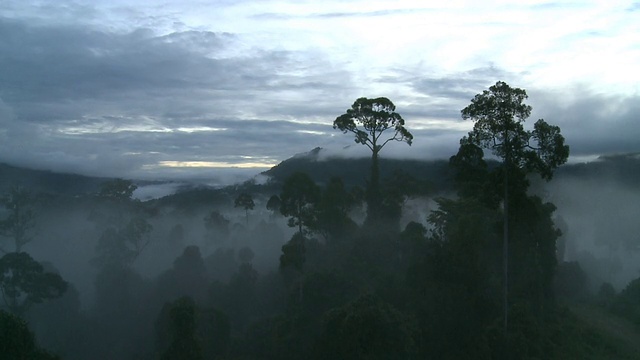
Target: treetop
367 119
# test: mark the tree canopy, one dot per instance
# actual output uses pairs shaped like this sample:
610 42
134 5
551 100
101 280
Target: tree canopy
299 196
245 201
18 342
117 189
368 119
23 282
499 115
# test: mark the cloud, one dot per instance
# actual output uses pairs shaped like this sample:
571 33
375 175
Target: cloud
339 14
116 102
178 73
591 123
459 86
112 89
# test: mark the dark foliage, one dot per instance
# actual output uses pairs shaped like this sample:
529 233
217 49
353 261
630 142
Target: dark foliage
23 282
17 341
627 303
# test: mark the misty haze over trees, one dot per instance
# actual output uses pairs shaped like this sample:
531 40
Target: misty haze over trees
498 253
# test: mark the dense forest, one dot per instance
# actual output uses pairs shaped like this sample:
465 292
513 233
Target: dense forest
463 259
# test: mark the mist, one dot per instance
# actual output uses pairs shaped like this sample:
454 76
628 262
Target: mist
242 266
599 221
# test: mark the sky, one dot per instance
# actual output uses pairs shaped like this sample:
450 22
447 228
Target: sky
224 89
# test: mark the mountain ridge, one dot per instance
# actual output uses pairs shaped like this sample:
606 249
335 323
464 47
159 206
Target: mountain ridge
623 168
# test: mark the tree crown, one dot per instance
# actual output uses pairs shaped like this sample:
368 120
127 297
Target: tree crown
368 119
499 114
24 282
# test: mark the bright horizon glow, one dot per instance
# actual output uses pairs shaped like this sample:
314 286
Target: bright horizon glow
213 164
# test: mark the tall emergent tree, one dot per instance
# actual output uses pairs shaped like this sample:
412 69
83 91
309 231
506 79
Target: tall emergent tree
20 219
245 201
499 114
372 121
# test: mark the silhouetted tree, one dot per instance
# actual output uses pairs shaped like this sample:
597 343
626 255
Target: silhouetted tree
293 252
452 279
369 120
273 204
184 342
24 282
59 323
366 328
471 172
245 201
17 342
298 199
217 224
411 242
398 188
188 277
499 114
117 190
292 261
332 218
120 247
20 219
241 296
211 329
124 226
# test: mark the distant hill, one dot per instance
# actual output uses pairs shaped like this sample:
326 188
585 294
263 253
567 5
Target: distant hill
43 181
353 172
624 169
356 172
621 168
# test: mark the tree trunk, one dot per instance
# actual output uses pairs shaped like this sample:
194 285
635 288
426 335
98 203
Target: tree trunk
374 203
505 248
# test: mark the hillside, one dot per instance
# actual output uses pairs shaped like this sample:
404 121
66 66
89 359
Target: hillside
623 169
355 172
42 181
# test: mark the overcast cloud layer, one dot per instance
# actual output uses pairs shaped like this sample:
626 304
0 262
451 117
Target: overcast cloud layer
192 89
